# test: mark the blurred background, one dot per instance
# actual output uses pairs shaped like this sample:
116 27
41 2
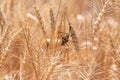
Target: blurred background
30 47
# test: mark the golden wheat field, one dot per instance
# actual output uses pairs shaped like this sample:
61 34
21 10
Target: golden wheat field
59 39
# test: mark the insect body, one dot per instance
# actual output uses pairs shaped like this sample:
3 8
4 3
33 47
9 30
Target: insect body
65 39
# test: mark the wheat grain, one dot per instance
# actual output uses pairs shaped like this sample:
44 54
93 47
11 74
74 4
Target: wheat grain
52 19
40 21
99 18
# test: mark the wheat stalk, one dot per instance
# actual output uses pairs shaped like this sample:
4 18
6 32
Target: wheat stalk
52 19
100 16
40 21
2 21
74 36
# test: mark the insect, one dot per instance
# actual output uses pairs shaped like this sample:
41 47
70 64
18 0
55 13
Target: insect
65 39
71 34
